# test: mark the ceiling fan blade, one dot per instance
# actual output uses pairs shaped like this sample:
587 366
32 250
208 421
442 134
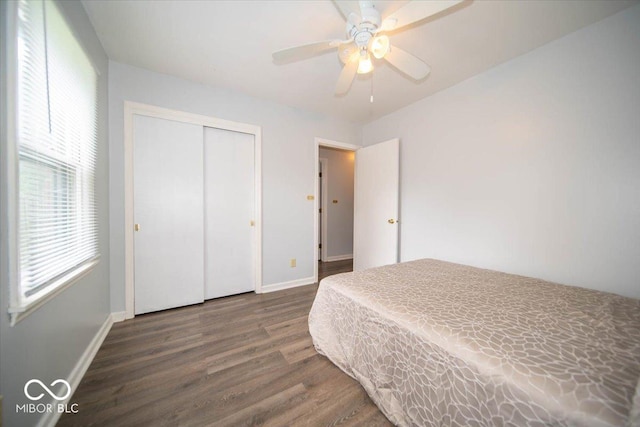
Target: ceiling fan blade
297 53
346 76
407 63
347 7
354 19
415 11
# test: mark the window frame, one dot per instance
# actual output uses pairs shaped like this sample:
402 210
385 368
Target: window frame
21 305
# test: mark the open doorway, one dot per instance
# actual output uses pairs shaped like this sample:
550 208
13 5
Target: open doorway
335 199
335 164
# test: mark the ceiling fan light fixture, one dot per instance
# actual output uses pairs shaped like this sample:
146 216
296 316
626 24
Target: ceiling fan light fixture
348 53
365 65
380 46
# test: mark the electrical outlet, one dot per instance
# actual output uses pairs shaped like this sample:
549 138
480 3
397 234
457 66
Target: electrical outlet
292 263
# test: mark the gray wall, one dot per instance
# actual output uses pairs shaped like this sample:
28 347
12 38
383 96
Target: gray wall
532 167
48 343
339 176
287 164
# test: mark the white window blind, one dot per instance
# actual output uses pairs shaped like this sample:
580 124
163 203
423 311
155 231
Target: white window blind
57 109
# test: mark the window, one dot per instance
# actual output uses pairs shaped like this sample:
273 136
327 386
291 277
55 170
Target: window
56 149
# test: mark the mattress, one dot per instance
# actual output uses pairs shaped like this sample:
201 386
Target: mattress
441 344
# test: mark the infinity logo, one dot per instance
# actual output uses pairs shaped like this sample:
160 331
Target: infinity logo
47 389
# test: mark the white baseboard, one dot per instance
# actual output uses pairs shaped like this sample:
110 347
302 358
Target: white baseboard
118 316
49 419
339 257
286 285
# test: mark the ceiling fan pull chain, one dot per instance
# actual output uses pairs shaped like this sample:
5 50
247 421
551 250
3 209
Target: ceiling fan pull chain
371 98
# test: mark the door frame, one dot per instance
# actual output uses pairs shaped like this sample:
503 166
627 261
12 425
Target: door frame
133 108
322 142
323 201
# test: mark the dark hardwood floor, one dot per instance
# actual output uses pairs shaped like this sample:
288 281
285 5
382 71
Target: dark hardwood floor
328 268
235 361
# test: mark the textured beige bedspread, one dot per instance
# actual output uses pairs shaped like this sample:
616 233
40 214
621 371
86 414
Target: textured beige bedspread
439 344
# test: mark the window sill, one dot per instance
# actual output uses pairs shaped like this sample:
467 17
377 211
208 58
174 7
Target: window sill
34 302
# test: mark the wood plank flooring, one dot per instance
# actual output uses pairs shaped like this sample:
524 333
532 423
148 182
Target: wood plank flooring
328 268
243 360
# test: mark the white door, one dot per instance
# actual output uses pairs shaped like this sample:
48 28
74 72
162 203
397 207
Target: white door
229 212
168 209
375 234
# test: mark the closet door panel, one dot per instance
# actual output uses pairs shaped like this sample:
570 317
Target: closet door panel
229 212
169 208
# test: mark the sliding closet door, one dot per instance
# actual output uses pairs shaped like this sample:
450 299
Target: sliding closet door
229 212
168 212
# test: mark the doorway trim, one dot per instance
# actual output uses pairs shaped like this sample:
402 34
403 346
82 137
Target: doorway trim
323 201
322 142
133 108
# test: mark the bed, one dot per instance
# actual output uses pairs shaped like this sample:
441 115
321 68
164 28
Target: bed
439 344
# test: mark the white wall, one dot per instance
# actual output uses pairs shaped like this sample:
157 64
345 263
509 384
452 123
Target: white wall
339 181
49 343
532 167
287 164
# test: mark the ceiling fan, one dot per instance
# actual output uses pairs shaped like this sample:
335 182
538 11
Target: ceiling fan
365 37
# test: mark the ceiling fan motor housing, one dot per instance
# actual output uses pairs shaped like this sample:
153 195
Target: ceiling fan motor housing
362 30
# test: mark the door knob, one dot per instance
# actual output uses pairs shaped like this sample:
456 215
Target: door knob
392 221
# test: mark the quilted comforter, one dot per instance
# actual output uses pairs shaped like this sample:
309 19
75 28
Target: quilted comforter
440 344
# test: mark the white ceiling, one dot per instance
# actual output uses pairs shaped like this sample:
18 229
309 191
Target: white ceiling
229 44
